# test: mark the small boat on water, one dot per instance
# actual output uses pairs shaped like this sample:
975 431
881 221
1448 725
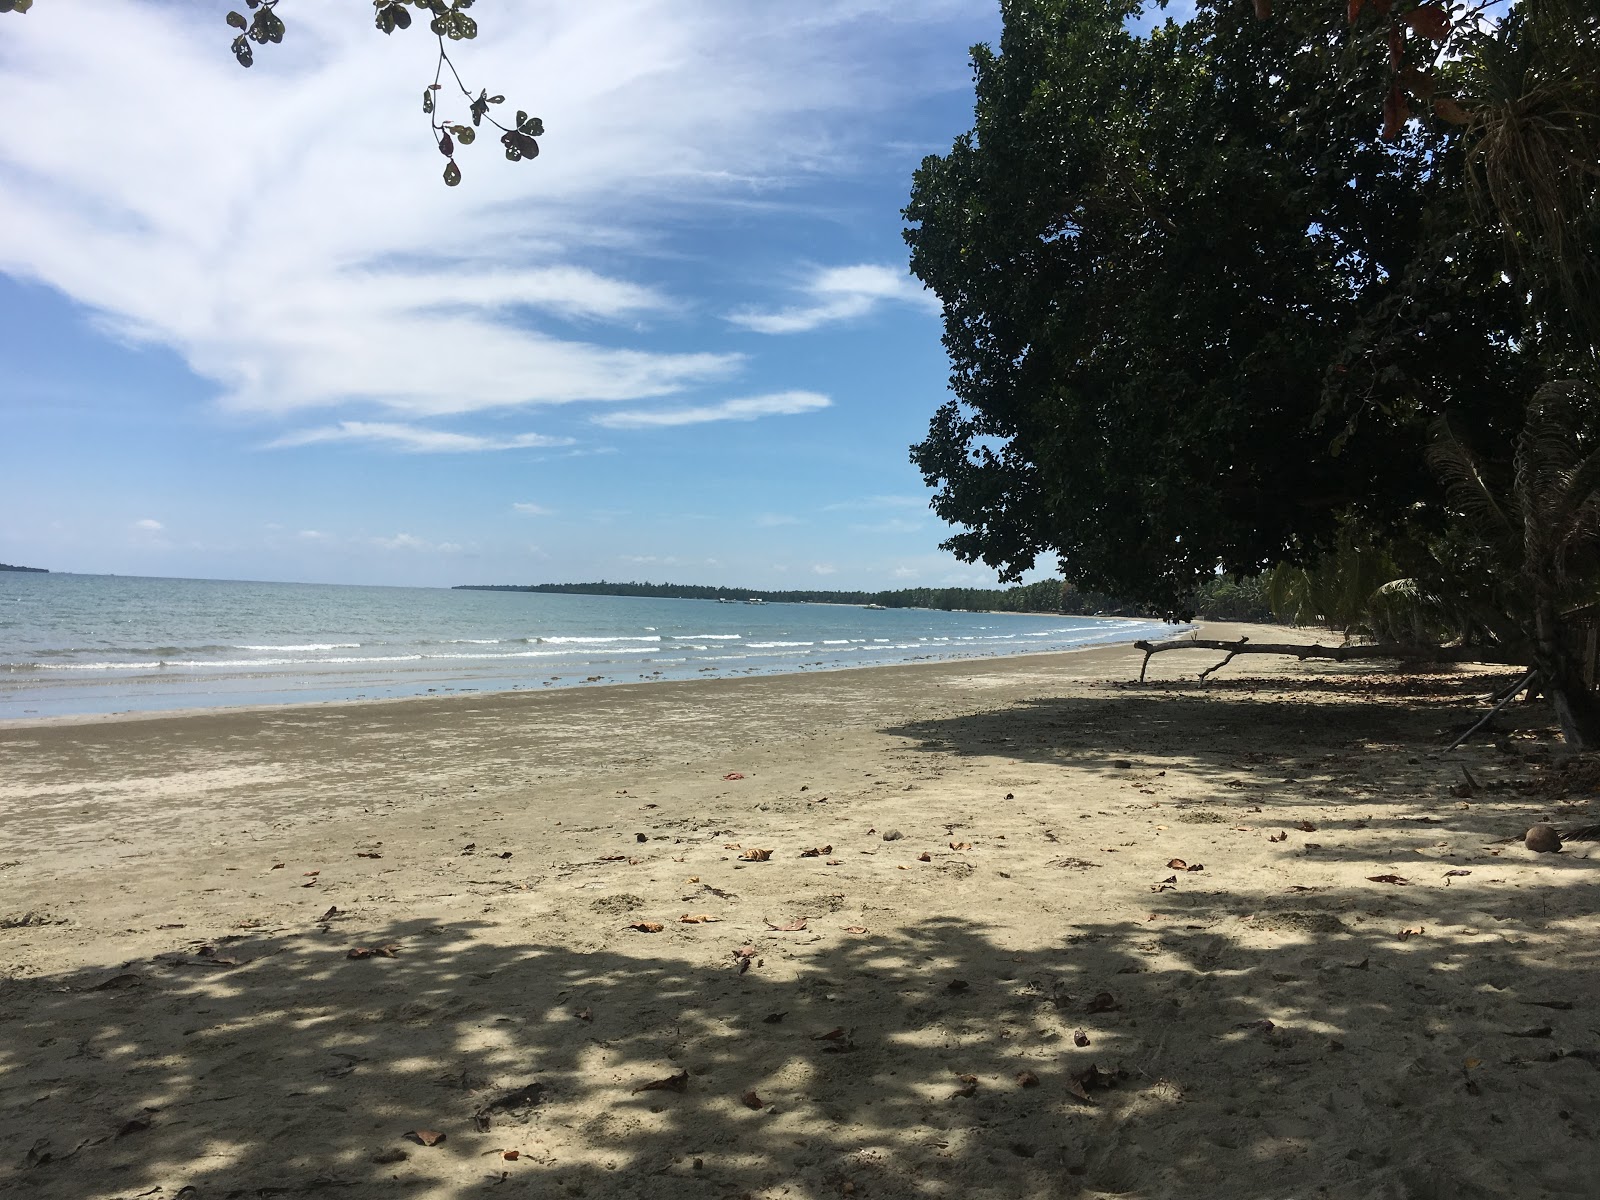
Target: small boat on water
877 607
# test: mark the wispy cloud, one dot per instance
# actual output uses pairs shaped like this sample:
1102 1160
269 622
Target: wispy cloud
869 503
149 525
406 541
747 408
531 510
891 525
302 262
776 520
414 439
836 294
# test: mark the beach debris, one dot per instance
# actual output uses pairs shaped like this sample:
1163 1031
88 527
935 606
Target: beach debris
511 1155
277 866
1306 827
836 1034
1542 839
584 1014
1300 887
957 985
1094 1079
835 862
469 848
1169 884
133 1125
390 1156
698 919
751 1100
816 852
891 835
390 950
641 837
732 775
425 1137
754 854
1457 874
1397 879
1080 1038
744 956
1538 1031
647 926
672 1083
368 854
961 845
1278 837
924 857
504 854
969 1086
716 891
1262 1026
1411 931
1027 1079
774 1018
1102 1002
1559 1005
527 1096
694 879
1177 864
333 911
117 982
794 926
855 928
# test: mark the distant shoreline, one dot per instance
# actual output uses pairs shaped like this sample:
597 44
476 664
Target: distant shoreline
1050 597
29 570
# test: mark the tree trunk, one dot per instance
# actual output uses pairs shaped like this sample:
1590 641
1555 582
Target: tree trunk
1561 673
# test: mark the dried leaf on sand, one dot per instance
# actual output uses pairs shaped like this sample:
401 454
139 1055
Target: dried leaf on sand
426 1137
794 926
647 926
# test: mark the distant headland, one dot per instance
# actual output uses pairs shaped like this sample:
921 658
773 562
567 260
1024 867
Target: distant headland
35 570
1047 596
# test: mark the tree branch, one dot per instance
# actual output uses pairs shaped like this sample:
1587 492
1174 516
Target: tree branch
1346 653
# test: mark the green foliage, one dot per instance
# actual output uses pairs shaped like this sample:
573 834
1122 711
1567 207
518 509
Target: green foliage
1198 311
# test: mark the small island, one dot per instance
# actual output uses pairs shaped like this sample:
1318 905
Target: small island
34 570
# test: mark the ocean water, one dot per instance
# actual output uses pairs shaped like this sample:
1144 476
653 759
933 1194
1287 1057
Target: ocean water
72 644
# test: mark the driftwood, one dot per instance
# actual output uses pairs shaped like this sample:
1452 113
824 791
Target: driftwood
1345 653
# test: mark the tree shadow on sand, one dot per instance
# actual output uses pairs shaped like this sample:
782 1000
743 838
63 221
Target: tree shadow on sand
1339 1060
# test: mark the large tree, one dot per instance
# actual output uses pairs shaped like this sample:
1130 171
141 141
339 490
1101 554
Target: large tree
1203 307
1192 299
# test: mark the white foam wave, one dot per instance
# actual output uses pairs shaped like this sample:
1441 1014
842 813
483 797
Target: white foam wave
305 647
776 645
595 641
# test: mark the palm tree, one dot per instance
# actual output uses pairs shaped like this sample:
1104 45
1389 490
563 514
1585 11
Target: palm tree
1543 530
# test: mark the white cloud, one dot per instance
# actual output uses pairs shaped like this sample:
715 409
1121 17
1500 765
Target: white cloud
774 520
149 525
531 510
876 502
841 294
414 439
291 239
313 535
824 568
406 541
745 409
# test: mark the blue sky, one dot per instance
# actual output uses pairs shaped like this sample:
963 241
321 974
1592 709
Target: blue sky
245 331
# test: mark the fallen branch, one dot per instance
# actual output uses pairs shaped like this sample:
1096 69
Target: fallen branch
1344 653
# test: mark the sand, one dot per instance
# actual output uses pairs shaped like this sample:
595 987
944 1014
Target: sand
1017 996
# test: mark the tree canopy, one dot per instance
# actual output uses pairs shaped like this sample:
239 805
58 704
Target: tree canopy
1199 309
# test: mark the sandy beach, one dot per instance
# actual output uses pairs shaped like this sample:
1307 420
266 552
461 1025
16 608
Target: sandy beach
1025 929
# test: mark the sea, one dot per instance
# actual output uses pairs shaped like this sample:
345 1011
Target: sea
84 644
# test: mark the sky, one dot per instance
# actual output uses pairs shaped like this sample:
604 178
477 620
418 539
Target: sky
247 332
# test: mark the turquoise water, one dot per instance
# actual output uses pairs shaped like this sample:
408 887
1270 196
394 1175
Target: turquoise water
101 643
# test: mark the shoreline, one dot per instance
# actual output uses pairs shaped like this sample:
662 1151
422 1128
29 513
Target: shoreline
460 693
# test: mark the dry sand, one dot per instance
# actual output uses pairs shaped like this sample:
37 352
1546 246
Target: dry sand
186 1020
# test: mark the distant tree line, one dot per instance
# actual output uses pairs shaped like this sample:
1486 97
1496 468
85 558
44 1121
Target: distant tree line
1220 600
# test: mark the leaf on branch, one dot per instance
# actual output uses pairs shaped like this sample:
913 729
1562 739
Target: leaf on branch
1430 21
242 51
446 146
464 134
427 100
238 21
452 174
1447 109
